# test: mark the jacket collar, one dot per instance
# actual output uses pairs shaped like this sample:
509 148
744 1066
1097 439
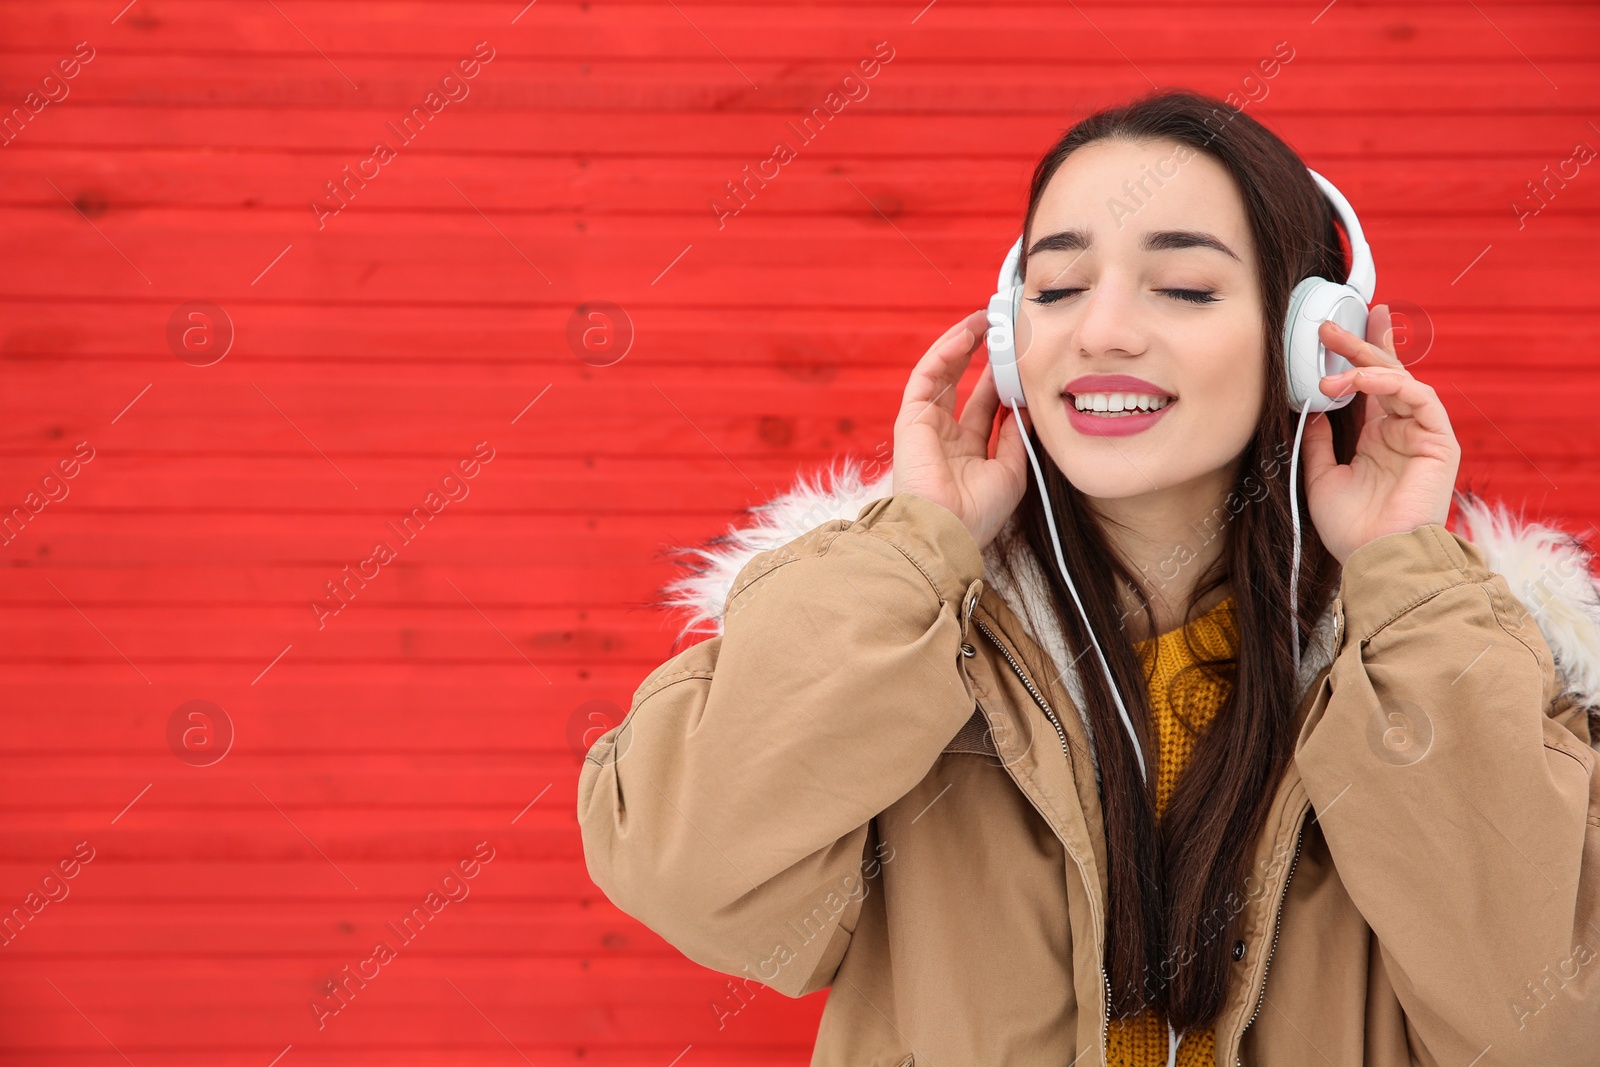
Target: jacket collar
1547 569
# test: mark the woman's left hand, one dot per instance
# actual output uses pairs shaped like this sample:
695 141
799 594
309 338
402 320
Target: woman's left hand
1404 468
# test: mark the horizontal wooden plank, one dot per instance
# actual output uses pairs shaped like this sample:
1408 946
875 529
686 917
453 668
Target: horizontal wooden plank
412 994
294 879
382 714
208 180
663 994
803 38
912 83
1341 130
332 846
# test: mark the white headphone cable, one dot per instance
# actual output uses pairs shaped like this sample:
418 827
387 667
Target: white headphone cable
1055 539
1294 517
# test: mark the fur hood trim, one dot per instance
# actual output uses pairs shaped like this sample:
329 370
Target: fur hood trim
1547 569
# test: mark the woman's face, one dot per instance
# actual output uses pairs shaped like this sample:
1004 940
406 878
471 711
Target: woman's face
1124 278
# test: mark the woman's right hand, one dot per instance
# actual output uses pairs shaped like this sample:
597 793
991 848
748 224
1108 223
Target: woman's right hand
945 459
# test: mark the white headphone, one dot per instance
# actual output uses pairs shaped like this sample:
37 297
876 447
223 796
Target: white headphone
1312 302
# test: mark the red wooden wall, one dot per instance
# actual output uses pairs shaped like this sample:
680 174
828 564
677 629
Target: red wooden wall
426 324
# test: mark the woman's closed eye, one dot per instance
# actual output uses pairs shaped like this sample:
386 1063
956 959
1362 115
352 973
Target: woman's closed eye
1188 296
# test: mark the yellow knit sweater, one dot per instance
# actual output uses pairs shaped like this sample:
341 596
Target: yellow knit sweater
1141 1041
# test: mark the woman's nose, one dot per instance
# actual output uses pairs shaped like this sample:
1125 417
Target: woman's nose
1109 320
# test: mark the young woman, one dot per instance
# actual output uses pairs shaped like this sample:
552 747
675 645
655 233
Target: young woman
897 769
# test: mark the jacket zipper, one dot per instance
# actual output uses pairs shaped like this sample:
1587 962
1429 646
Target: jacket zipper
1044 705
1299 839
1037 696
1277 922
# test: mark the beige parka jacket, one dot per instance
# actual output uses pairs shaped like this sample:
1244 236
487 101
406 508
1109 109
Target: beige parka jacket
875 777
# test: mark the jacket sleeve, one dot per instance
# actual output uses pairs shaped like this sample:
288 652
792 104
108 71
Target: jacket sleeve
731 811
1455 786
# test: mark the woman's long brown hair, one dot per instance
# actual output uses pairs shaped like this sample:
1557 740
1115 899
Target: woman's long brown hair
1170 922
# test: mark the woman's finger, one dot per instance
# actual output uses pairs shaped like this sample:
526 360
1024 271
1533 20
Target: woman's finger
1316 448
1380 332
933 379
1398 392
1009 450
1360 353
977 416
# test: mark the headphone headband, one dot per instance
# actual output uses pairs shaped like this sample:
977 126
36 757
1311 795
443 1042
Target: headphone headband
1363 273
1010 273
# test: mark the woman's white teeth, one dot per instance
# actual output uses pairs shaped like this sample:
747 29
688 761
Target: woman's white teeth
1114 403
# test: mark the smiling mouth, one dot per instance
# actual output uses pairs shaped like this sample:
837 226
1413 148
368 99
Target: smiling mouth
1118 405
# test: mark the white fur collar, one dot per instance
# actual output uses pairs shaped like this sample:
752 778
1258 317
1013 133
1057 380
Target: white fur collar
1547 569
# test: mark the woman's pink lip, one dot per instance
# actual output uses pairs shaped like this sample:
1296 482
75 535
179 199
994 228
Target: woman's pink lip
1113 383
1096 426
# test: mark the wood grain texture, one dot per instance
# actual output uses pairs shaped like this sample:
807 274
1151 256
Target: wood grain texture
445 703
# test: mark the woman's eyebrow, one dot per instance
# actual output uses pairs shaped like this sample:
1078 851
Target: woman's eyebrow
1163 240
1154 241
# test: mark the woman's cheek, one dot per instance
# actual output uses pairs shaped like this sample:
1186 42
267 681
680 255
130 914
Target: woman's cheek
1038 355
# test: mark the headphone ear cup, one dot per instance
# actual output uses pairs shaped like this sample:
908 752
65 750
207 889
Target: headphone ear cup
1021 335
1002 339
1313 302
